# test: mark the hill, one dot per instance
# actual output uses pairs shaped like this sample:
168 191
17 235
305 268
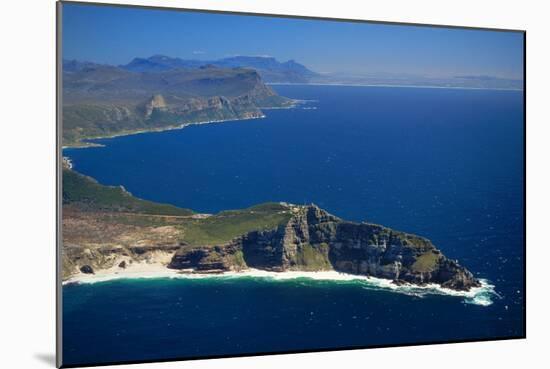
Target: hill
103 100
86 194
106 226
269 68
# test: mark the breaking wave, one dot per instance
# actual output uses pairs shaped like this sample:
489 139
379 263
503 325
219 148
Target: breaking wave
482 296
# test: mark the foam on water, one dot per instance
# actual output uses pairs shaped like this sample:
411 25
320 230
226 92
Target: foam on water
482 296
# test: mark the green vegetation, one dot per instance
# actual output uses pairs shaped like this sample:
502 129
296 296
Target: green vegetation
223 227
238 260
103 101
266 207
426 262
274 101
414 241
85 121
313 258
381 234
119 206
143 219
82 122
88 194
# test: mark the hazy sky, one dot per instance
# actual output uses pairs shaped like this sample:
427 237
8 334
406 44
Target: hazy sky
117 35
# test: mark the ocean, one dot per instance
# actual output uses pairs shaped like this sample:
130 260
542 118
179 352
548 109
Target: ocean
446 164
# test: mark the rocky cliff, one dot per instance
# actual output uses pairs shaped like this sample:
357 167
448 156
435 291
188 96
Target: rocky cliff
314 240
106 228
101 100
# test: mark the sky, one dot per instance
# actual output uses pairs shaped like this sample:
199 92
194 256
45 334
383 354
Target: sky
116 35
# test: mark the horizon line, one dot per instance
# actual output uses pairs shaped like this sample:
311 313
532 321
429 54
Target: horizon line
392 86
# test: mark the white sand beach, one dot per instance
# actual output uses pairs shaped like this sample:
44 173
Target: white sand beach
478 296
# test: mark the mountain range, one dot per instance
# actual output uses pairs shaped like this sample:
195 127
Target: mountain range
269 68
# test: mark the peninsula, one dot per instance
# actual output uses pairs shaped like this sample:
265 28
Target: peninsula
104 100
106 229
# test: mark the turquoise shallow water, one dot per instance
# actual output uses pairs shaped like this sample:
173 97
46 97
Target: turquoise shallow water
445 164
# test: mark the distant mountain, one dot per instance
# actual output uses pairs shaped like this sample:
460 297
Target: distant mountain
103 100
76 65
484 81
269 68
389 79
160 63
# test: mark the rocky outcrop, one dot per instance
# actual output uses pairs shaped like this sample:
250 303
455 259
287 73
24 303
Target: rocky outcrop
102 101
116 230
156 102
315 240
294 246
88 260
86 269
378 251
209 259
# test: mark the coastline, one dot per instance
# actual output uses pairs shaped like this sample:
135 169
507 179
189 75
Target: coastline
82 144
157 270
476 296
392 86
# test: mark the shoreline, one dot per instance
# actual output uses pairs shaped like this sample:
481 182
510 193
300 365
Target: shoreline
85 145
82 144
476 296
393 86
143 270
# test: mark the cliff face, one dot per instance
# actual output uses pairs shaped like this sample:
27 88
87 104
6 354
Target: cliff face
315 240
104 100
106 228
89 260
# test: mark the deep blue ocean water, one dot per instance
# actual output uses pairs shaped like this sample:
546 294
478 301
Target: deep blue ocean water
446 164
